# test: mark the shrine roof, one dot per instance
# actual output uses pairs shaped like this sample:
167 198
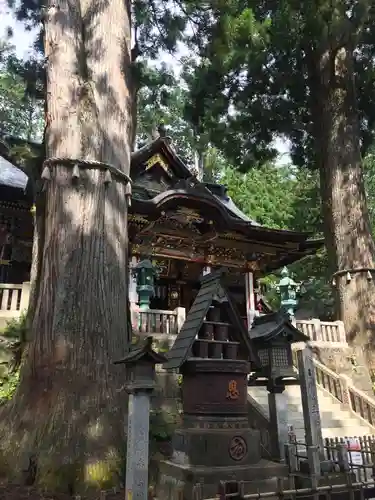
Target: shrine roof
143 353
220 193
11 176
174 182
180 172
212 288
269 326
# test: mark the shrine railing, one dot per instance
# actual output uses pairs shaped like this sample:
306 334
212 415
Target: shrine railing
323 331
157 321
342 389
14 299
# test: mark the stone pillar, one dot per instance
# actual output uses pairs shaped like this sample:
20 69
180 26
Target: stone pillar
206 270
25 296
278 408
137 446
310 403
180 318
250 299
140 382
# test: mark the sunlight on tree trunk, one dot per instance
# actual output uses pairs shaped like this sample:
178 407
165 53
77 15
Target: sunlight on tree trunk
347 224
69 410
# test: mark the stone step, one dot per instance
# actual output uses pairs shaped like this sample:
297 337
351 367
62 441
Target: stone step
336 421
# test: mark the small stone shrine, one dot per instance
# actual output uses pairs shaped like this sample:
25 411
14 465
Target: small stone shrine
213 354
272 336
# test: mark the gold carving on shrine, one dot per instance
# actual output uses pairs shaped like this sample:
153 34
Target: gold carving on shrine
186 215
158 159
138 218
233 393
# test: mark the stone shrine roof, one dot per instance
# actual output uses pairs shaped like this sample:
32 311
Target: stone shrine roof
270 326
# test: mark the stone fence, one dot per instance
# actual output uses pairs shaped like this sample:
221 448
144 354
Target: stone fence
14 299
323 331
342 389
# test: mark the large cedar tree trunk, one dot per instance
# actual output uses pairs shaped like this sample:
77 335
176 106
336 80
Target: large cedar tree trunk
347 226
69 409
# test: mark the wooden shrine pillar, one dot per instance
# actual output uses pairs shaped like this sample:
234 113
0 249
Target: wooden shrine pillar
133 295
251 312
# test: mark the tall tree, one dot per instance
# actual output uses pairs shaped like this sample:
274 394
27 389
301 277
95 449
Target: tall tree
69 407
294 69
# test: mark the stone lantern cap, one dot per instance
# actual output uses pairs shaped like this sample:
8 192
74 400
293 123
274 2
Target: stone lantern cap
286 279
140 366
272 336
274 325
144 264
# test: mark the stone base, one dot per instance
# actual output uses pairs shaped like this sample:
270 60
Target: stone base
177 481
207 447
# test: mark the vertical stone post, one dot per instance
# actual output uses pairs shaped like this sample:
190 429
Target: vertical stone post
278 408
310 404
318 333
137 446
206 270
140 383
250 299
345 394
180 318
341 331
25 296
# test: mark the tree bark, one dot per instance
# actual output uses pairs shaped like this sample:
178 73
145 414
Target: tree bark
69 407
36 262
347 224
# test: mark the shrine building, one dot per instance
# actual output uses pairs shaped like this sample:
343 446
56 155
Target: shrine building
186 227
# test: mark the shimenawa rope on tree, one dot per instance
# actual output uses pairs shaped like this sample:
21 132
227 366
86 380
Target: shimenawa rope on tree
349 272
111 172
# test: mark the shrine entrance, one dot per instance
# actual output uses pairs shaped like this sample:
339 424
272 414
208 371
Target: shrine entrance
179 282
170 294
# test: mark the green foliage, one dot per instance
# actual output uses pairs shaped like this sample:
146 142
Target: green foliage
162 425
265 194
16 328
15 335
257 76
20 114
285 197
8 386
160 101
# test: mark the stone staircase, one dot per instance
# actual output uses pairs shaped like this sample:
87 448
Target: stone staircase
345 410
337 421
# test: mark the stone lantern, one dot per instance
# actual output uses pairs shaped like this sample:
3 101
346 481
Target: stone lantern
140 383
288 290
272 336
145 273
